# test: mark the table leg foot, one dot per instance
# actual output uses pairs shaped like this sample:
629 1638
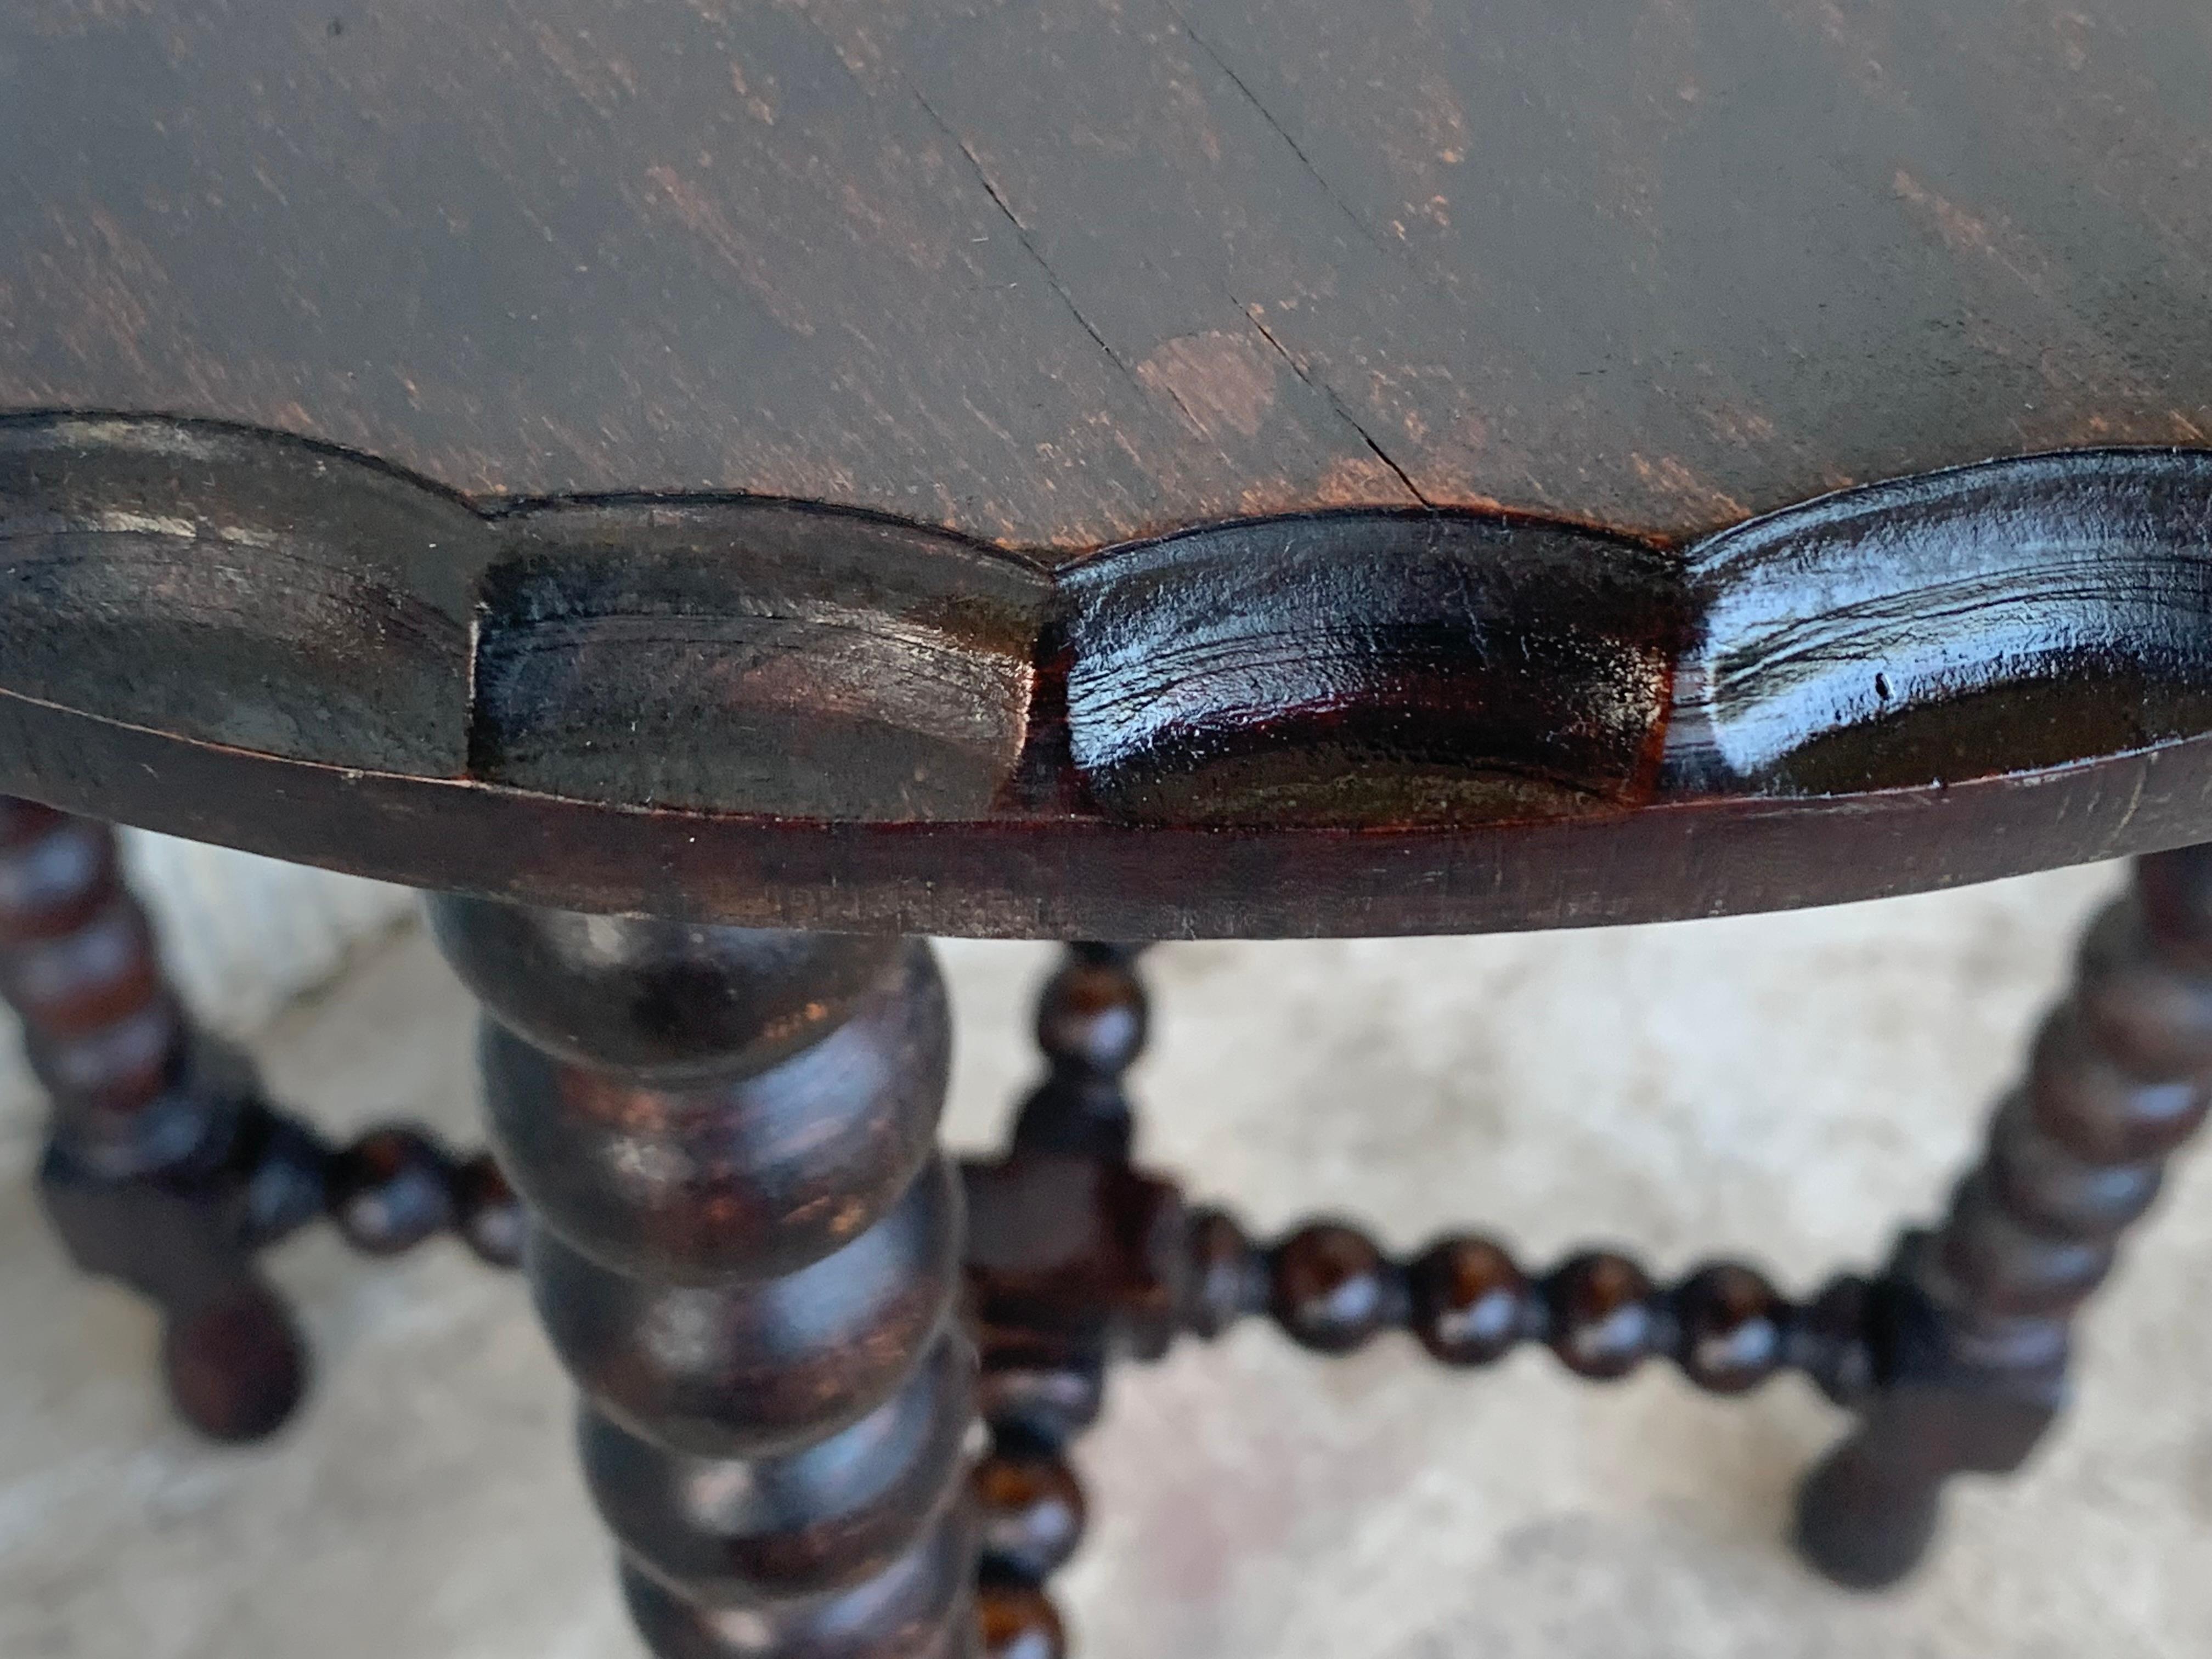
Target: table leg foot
1860 1521
163 1169
1971 1322
236 1368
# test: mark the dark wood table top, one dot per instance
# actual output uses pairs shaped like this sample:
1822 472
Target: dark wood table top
1209 467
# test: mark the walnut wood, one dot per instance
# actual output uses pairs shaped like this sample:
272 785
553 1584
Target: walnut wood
920 1607
1064 275
752 711
1038 1389
163 1169
1332 1289
1030 1503
1075 1255
103 1032
745 1248
393 1187
1211 467
1033 1514
685 1177
1060 1275
837 1456
1972 1325
1018 1622
1066 1239
815 1520
165 1166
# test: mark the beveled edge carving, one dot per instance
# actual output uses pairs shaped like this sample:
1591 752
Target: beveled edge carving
1392 691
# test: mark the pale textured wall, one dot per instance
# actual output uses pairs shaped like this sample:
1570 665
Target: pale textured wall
244 935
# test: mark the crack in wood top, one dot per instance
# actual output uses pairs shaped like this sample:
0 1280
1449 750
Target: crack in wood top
1059 275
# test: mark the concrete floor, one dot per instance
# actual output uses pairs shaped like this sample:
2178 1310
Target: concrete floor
1785 1087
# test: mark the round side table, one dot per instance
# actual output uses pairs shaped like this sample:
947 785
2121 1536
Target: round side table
716 493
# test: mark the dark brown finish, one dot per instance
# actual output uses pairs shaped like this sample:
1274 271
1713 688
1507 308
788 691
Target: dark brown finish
845 1529
391 1188
744 710
691 655
1018 1622
1733 1329
491 1222
1039 1389
1065 1236
104 1032
1033 1513
1062 1273
1224 1277
234 1366
677 1173
1370 671
1972 1321
813 1520
1064 275
1093 1018
388 1192
165 1167
746 1250
1602 1316
920 1607
157 1169
1329 1288
1470 1302
1075 1257
1195 467
1332 1289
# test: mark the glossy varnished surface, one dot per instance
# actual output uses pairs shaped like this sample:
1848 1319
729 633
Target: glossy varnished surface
1372 722
1060 275
745 1251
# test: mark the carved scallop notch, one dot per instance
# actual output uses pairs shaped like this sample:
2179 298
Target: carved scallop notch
236 588
753 657
2002 617
1354 670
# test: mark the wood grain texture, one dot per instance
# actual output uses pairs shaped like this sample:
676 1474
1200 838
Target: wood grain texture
1361 721
224 583
688 654
1057 275
1370 669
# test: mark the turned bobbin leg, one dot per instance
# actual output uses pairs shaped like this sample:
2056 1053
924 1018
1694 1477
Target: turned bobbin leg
163 1169
1970 1325
1057 1284
746 1249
